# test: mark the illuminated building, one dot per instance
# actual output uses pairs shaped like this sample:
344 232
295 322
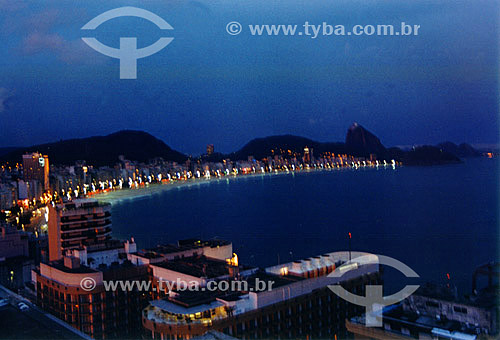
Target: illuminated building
307 155
77 223
96 312
210 149
297 302
290 300
113 313
36 167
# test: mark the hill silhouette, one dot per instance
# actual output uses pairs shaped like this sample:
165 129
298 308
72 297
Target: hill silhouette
142 147
102 150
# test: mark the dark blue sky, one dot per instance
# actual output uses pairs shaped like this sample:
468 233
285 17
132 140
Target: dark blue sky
210 87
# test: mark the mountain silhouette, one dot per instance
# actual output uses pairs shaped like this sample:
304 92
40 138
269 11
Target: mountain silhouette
102 150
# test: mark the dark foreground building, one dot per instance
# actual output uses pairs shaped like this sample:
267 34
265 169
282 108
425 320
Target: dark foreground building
436 312
73 288
73 291
293 301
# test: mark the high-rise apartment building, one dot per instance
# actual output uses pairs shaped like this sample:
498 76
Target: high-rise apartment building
72 289
77 223
307 155
36 168
210 149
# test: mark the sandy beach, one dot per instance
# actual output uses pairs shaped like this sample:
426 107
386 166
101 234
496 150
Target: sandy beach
117 196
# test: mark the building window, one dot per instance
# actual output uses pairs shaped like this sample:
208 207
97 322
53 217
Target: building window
459 309
432 304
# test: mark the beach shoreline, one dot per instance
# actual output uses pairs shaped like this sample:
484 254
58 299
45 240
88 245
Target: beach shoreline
120 195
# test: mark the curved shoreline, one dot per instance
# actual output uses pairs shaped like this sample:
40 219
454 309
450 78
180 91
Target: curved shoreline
118 196
121 195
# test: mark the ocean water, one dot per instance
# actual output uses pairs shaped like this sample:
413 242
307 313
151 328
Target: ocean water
437 220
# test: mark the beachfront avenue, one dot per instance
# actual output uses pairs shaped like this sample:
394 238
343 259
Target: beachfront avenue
128 179
85 181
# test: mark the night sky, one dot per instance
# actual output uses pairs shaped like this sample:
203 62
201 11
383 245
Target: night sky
210 87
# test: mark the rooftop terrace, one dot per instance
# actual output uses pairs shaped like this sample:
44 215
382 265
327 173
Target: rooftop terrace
197 266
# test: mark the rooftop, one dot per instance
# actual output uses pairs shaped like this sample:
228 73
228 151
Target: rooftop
81 204
106 245
81 269
396 318
183 245
420 320
149 254
190 302
486 297
188 244
440 292
278 280
175 308
197 266
188 299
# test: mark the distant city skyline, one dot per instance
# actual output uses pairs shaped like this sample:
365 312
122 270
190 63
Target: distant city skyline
214 147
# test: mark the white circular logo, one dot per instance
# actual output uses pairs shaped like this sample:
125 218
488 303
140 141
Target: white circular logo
373 300
234 28
88 284
128 53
